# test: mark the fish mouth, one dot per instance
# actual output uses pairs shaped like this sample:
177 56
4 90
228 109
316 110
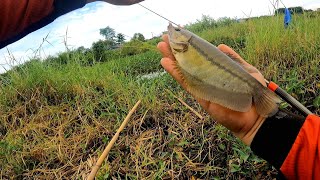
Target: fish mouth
173 32
172 28
177 33
178 39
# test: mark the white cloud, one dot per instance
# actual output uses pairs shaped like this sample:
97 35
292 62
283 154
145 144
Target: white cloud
83 25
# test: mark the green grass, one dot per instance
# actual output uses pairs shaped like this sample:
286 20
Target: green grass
57 116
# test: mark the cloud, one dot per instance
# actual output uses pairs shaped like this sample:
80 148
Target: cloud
82 25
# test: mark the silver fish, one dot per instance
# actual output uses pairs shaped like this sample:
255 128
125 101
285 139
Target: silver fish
211 75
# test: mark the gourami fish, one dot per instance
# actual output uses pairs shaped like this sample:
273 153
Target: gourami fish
211 75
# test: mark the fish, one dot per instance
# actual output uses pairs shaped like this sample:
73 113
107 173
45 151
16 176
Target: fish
210 74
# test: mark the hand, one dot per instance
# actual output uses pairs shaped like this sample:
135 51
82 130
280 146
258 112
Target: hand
243 124
118 2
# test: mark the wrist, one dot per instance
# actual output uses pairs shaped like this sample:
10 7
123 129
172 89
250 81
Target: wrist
248 136
276 136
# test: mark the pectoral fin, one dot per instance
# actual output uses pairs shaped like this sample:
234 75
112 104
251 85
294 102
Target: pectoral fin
266 102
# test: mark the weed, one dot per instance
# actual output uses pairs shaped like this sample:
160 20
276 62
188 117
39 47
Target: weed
57 115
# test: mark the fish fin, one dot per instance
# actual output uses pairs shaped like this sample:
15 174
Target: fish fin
235 101
177 69
266 103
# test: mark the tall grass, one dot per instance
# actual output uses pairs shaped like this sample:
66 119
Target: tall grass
57 115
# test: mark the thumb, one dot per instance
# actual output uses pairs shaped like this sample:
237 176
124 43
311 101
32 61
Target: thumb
232 54
237 58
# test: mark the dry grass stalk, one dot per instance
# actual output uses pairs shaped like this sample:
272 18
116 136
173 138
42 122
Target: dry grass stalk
185 104
105 153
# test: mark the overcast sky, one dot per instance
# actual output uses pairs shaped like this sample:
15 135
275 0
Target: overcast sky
83 24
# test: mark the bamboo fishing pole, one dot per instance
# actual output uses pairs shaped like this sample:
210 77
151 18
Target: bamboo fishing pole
106 151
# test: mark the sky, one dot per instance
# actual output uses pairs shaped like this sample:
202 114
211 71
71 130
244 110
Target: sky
81 27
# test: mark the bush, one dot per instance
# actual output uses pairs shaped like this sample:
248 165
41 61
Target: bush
134 47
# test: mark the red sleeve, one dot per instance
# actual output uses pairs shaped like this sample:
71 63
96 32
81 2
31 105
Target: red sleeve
17 15
303 160
18 18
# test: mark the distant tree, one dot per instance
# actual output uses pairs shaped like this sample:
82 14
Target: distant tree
108 33
279 11
293 10
224 21
308 10
81 49
100 47
296 10
206 22
103 45
139 37
120 38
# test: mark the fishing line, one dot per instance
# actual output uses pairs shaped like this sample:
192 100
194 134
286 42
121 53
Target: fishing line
159 15
282 4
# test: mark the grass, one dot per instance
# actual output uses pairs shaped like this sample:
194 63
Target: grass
57 116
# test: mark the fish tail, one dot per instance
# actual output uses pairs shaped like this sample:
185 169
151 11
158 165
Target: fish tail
266 102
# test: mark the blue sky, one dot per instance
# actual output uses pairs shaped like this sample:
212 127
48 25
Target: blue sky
82 25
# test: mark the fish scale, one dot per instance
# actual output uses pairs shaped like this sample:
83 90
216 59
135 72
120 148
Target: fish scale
211 75
221 66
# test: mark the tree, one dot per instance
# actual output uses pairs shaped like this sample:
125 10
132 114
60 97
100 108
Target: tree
100 47
293 10
120 38
82 50
108 33
139 37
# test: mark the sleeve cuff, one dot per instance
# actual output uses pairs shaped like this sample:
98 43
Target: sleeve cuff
60 7
276 136
64 6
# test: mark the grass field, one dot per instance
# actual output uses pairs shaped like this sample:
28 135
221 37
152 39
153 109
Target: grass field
58 115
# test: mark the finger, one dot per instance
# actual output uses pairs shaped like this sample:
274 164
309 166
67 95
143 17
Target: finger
165 38
235 56
170 66
165 50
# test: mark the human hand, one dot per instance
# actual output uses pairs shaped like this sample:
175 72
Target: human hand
118 2
244 125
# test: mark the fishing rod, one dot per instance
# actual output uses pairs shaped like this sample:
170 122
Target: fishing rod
271 85
288 98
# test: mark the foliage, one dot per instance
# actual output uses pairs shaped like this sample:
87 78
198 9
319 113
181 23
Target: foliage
206 22
108 33
100 47
120 38
134 47
58 115
293 10
138 37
